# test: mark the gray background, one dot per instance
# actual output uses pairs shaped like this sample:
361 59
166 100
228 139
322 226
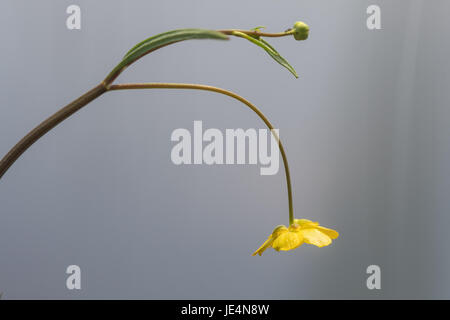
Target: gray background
366 127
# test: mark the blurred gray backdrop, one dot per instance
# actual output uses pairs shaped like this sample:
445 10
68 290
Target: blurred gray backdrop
366 127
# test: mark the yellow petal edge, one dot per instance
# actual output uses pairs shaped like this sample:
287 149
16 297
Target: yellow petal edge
301 231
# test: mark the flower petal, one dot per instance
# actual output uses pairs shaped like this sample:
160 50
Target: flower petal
305 223
264 246
288 241
315 237
268 243
279 230
333 234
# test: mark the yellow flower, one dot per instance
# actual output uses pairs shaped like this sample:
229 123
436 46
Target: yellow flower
301 231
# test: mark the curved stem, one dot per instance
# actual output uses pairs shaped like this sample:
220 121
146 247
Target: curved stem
106 85
232 95
47 125
71 108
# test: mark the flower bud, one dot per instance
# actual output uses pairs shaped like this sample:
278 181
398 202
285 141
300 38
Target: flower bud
301 30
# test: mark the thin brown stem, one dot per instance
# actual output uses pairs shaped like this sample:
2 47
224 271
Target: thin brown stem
128 86
47 125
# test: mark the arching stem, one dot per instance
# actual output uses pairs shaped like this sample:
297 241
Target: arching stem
107 85
47 125
71 108
127 86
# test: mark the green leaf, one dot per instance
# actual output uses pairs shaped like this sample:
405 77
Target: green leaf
267 44
164 39
258 28
269 49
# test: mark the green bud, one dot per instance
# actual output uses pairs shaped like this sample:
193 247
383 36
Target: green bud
301 30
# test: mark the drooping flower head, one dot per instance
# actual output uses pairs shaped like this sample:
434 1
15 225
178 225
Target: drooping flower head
301 231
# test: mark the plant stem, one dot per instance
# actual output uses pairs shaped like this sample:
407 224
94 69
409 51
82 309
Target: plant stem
47 125
230 94
258 33
106 85
97 91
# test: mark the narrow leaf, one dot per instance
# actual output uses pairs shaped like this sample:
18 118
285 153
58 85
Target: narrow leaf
269 49
164 39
